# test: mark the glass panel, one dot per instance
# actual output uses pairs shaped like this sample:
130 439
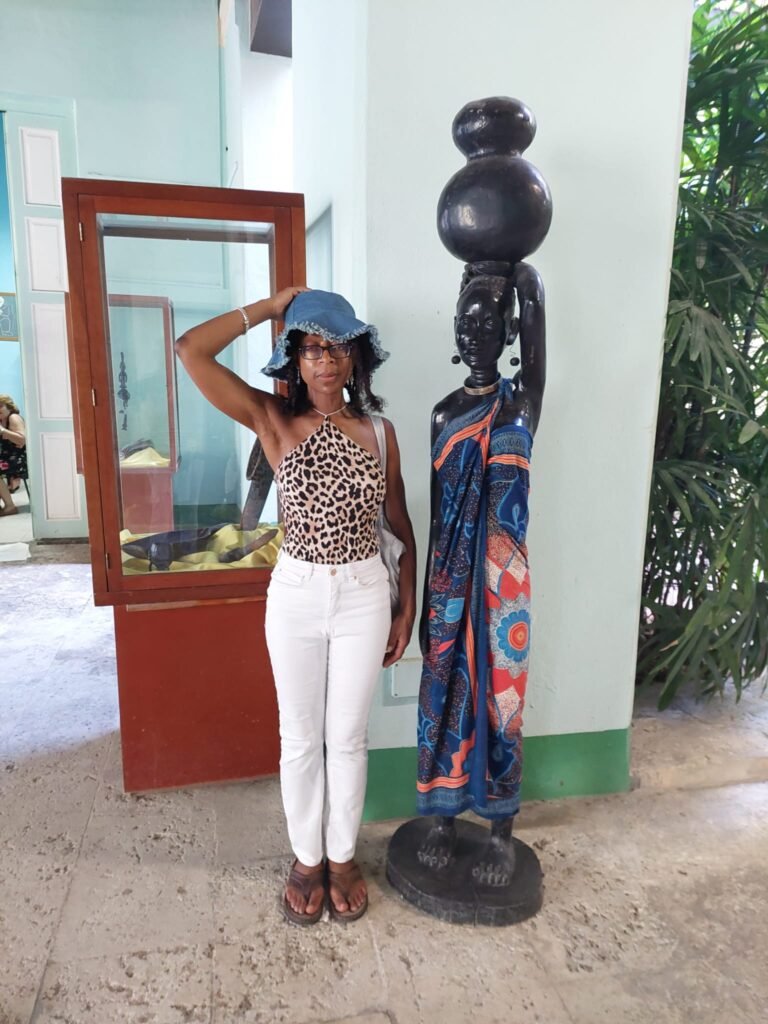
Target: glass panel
194 495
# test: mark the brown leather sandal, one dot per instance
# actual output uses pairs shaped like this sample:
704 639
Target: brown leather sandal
306 885
345 880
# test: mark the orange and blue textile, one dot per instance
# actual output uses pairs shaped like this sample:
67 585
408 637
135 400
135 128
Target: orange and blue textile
474 676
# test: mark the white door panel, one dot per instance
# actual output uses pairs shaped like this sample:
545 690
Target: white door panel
47 256
40 147
54 397
41 166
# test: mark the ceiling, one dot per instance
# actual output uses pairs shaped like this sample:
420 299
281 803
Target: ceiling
271 27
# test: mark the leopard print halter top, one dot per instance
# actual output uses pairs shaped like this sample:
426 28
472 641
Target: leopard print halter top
330 492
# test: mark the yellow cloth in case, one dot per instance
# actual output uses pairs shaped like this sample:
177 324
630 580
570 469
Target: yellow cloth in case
147 458
225 539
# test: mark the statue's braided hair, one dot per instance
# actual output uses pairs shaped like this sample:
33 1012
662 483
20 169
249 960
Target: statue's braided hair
499 276
362 400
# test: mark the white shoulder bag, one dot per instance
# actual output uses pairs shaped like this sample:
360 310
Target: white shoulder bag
392 548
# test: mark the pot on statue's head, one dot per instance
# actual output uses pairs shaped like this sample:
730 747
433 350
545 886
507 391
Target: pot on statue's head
497 207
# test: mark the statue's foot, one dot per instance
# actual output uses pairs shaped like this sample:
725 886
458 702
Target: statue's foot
495 864
436 852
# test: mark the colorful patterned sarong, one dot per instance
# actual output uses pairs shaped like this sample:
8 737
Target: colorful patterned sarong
475 671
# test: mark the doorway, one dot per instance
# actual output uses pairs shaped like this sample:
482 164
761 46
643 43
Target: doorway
15 509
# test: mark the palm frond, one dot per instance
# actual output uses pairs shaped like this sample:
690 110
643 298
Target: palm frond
704 618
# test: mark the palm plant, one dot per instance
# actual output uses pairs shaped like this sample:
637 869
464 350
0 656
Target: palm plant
704 618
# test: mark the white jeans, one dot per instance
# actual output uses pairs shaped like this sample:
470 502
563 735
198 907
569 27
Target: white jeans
327 628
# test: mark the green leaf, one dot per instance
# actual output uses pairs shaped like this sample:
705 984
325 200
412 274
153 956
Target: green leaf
748 431
675 493
740 266
705 578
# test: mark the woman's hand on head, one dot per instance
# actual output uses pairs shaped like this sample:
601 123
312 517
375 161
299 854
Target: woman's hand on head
279 302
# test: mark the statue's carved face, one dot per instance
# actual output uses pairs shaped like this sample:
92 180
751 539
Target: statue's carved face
481 324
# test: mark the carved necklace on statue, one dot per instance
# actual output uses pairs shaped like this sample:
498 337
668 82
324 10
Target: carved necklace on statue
487 390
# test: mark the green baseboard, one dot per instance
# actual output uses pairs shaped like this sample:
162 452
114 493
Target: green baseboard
572 764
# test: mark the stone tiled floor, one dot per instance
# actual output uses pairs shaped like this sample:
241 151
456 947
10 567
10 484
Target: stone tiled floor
16 531
163 908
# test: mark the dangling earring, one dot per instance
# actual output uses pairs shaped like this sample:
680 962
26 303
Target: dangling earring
298 375
514 330
456 358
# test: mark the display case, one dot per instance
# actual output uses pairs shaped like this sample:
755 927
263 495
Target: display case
184 524
158 459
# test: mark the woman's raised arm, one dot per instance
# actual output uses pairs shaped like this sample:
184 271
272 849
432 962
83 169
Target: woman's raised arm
198 347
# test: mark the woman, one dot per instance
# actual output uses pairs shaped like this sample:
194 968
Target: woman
13 453
329 623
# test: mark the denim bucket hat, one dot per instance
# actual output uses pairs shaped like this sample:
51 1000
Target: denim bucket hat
327 314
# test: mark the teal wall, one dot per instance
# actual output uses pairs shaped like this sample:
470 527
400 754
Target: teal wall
144 77
10 355
142 81
7 280
10 372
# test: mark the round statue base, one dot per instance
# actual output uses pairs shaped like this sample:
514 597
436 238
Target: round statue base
451 893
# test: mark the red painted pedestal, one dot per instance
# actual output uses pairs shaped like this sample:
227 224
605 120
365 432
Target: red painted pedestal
197 699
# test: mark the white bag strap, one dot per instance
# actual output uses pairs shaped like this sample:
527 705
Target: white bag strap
381 441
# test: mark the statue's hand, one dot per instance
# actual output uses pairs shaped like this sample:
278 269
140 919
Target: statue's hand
528 283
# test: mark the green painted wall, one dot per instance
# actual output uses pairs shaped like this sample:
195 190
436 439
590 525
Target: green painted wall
377 147
571 764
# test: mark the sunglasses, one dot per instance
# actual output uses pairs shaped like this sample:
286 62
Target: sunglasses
340 350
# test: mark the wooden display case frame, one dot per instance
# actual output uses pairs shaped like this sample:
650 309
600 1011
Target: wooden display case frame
83 201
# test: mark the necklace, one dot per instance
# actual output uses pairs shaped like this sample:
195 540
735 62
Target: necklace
487 390
327 415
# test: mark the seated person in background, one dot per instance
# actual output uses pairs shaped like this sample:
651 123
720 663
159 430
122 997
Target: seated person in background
8 508
13 446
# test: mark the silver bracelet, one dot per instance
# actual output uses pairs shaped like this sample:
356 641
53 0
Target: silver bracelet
246 321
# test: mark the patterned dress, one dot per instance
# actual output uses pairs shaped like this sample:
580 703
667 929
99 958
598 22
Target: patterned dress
476 668
13 460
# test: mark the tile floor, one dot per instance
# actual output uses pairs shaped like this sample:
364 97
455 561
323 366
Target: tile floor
162 908
16 531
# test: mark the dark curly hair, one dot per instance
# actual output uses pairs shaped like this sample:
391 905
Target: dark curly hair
361 399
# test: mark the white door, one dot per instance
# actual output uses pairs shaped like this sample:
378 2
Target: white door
40 149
